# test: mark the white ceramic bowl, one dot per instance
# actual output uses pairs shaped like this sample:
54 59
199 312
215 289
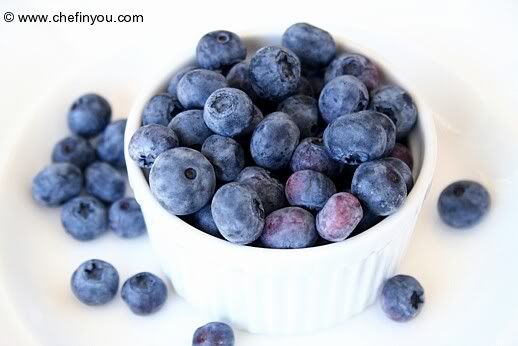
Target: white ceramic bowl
273 291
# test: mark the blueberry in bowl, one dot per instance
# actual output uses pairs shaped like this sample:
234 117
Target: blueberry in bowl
268 219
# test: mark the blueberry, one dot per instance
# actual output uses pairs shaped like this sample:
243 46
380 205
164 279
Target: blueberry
315 77
274 72
182 180
397 104
380 186
402 297
226 155
219 49
56 184
402 169
463 203
150 141
339 217
173 83
314 46
257 117
304 88
303 110
403 153
342 95
203 220
196 86
228 112
125 218
356 137
312 154
190 128
354 65
144 293
289 228
274 140
388 125
309 189
89 115
160 109
110 147
269 189
213 334
238 213
84 218
95 282
104 182
74 150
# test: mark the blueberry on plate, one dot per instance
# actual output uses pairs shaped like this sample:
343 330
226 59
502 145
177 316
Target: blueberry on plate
356 137
398 105
160 109
203 220
213 334
228 112
84 218
190 128
269 189
95 282
173 83
289 228
74 150
463 203
402 297
342 95
104 182
303 110
314 47
125 218
380 186
196 86
309 189
274 72
238 212
354 65
226 155
220 49
312 154
339 217
274 140
144 293
57 183
182 180
150 141
110 147
89 115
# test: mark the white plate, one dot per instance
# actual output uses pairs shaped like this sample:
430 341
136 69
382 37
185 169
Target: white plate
469 277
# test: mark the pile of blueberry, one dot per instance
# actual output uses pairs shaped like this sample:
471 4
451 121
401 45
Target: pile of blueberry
87 177
298 146
328 161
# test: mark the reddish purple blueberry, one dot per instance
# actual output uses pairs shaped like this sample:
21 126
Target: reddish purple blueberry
309 189
289 228
355 65
339 217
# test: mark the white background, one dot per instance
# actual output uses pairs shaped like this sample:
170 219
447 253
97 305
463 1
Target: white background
477 39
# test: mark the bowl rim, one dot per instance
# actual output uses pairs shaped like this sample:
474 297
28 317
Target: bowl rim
425 125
